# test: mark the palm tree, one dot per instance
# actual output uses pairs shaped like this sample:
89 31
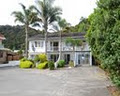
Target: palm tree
62 24
73 42
47 15
27 17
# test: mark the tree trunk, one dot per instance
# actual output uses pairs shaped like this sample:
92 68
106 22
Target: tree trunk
74 55
26 41
46 36
60 54
60 51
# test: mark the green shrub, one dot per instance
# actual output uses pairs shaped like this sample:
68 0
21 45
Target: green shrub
71 64
42 57
42 65
26 64
36 59
61 63
51 65
23 59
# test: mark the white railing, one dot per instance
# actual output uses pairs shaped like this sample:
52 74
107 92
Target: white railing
53 48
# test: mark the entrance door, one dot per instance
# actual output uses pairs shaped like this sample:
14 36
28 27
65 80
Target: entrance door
83 58
67 58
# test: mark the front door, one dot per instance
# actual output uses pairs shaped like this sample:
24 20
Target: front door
67 58
83 58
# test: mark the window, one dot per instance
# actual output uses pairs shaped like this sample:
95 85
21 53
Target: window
35 43
38 43
41 44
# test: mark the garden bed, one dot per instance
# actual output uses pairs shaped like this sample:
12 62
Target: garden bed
114 90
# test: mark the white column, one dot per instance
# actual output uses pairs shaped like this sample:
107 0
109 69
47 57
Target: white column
90 59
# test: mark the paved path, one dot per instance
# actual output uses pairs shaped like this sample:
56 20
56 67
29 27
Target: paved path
10 64
81 81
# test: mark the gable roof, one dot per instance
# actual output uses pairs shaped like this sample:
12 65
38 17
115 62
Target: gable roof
55 36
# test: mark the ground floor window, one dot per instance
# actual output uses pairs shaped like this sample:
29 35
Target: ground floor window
84 58
54 57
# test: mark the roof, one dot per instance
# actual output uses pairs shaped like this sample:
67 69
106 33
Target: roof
55 36
2 37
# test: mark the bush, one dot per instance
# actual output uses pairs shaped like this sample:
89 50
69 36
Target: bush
71 64
61 63
51 65
23 59
24 63
36 59
42 65
42 57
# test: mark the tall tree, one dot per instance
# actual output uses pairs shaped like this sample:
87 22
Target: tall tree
27 17
47 15
62 24
104 36
74 43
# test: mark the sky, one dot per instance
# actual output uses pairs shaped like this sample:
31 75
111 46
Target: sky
73 10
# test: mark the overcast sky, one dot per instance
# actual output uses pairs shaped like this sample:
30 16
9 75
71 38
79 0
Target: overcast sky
72 9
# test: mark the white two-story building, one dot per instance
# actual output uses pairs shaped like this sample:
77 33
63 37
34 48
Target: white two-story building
82 53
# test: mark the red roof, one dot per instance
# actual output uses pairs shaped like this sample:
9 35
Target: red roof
2 37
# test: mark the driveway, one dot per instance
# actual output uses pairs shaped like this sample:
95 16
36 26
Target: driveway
80 81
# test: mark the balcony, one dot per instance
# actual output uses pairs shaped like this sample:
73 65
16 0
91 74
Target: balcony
53 48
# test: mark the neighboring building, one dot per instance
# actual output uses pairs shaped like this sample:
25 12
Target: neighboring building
3 54
1 39
82 53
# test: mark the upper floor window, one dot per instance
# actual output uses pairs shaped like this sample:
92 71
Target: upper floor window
35 43
38 43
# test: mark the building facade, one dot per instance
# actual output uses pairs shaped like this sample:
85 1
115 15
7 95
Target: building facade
3 56
1 39
82 54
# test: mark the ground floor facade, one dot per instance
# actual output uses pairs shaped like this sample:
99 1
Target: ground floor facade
79 57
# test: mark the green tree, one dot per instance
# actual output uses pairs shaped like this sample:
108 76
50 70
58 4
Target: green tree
47 15
74 43
27 17
62 24
103 36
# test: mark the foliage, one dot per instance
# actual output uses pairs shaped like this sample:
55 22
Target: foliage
43 65
43 61
61 63
24 63
20 52
73 42
83 26
37 59
51 65
47 15
71 64
15 36
103 36
43 58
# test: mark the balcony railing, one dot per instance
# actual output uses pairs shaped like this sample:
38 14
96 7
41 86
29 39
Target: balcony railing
53 48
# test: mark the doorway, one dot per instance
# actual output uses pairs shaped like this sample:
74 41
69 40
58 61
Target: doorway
54 57
67 58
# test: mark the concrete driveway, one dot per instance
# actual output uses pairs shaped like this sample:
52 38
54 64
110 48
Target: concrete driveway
80 81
